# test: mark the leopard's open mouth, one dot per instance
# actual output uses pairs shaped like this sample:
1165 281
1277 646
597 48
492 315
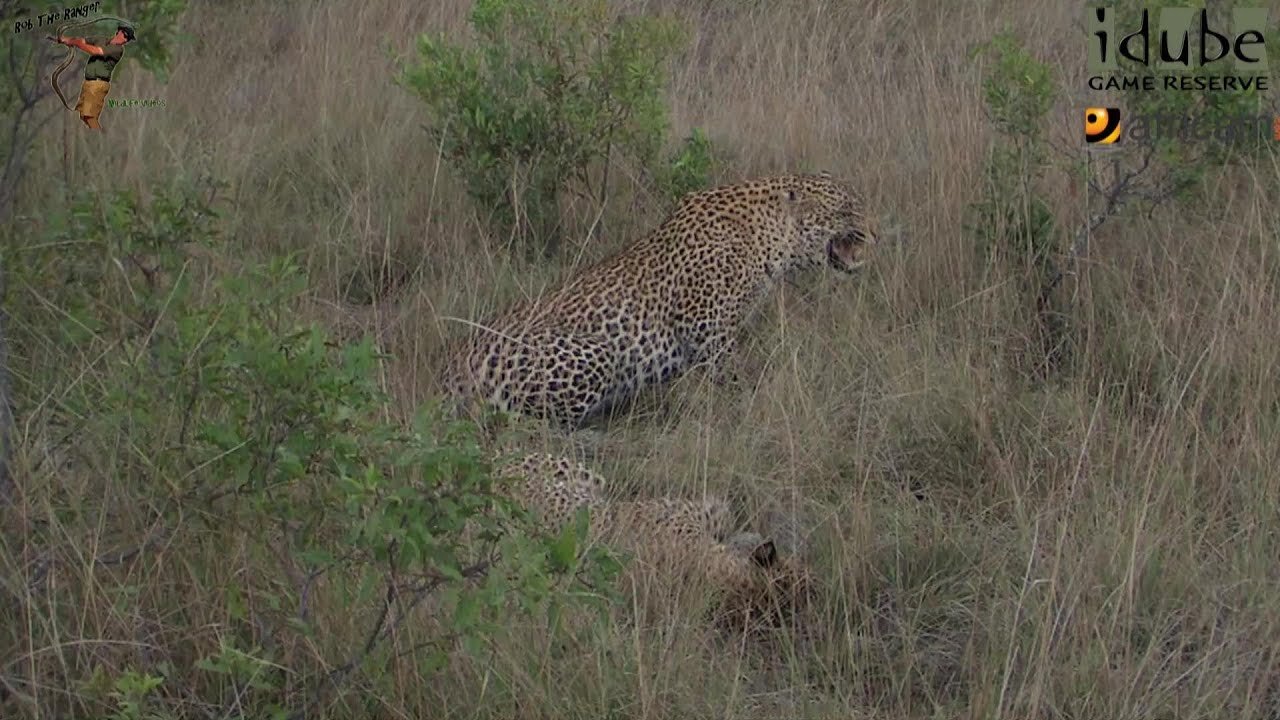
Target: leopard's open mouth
844 252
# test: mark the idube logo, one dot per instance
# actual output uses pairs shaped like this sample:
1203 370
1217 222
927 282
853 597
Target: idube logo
1177 43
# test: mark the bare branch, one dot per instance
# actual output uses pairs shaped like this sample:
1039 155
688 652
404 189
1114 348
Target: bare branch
1127 184
382 630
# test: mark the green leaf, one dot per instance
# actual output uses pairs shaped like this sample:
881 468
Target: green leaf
564 549
432 662
236 607
466 613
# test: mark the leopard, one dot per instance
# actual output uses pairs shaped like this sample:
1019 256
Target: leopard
678 298
755 585
555 487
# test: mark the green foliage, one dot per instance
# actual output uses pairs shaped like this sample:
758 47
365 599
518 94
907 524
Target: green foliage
549 90
131 694
1013 223
229 416
1013 218
689 168
80 264
1019 90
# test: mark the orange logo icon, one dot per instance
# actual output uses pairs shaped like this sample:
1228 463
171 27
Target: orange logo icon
1101 125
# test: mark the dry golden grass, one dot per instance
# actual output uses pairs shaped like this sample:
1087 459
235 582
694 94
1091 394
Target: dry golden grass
1099 547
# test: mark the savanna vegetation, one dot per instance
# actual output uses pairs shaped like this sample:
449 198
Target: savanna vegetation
1030 451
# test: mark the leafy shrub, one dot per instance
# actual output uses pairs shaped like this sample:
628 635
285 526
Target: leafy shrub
1013 222
551 92
220 416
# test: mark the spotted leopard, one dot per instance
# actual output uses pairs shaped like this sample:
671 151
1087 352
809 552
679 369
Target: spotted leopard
676 299
675 537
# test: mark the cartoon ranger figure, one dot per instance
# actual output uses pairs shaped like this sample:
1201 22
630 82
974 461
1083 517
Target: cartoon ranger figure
103 57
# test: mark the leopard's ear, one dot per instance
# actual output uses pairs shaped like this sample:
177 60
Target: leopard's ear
765 554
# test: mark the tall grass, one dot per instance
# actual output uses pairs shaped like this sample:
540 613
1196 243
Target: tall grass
1102 546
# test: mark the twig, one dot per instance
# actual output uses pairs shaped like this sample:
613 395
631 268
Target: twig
23 125
45 564
1115 197
381 631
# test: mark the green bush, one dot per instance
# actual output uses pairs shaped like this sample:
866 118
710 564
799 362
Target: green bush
1014 219
224 417
1013 222
548 95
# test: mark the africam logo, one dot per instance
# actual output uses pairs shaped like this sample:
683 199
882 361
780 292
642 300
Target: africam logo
1102 127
